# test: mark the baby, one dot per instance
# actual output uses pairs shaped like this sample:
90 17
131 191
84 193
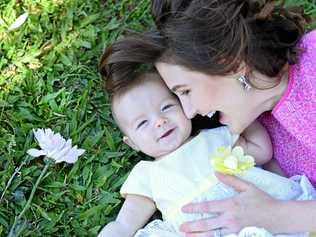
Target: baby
153 122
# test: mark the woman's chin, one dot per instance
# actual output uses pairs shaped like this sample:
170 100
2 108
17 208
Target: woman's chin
223 119
234 128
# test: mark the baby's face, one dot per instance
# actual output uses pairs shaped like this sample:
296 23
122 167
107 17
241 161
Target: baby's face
152 119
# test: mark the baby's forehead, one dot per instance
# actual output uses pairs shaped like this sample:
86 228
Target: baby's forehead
150 92
151 89
136 100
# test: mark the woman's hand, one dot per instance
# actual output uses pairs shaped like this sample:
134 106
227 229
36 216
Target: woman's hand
252 207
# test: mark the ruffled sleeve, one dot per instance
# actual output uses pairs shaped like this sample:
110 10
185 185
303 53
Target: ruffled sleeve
138 182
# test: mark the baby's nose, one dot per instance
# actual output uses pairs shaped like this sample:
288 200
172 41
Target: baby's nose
161 121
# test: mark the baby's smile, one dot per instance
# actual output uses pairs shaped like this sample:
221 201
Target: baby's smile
167 133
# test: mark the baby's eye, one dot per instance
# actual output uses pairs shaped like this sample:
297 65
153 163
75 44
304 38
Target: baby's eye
185 92
142 123
167 107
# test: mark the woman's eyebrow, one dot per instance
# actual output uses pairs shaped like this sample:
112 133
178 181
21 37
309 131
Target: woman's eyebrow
177 87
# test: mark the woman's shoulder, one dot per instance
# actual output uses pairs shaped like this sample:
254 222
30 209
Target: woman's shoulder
308 44
309 37
296 109
303 72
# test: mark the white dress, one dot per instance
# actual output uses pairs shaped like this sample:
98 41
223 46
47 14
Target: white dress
186 175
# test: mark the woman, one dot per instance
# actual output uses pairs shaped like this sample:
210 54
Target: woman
244 60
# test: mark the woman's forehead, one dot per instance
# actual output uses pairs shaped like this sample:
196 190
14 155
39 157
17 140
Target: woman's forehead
172 74
177 77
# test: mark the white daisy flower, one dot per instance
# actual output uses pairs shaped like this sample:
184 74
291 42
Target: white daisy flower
18 22
54 146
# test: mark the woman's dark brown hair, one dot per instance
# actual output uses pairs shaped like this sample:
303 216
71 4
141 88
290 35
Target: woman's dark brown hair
213 37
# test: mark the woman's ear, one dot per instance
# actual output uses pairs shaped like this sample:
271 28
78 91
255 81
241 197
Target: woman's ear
130 143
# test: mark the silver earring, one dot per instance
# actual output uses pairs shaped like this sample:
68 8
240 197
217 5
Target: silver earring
244 81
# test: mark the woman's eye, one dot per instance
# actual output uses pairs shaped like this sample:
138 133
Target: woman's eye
142 123
185 92
167 107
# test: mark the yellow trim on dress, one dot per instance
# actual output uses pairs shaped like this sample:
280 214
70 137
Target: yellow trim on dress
204 186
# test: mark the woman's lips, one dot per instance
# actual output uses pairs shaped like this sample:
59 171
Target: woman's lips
166 134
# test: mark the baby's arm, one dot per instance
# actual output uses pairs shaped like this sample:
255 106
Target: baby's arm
134 214
256 142
274 167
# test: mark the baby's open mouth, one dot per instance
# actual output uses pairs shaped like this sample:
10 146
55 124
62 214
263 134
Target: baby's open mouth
166 134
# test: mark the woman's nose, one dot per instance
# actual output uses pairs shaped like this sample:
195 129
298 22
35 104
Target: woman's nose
161 121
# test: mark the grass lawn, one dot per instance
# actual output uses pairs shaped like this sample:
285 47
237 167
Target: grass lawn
49 79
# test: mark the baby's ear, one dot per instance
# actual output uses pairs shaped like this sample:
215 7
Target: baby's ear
130 143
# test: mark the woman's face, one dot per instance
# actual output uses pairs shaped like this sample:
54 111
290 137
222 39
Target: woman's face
204 94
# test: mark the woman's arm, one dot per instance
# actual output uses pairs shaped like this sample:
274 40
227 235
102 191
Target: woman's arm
134 214
252 207
256 142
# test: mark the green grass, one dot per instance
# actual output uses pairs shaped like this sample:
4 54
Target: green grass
49 79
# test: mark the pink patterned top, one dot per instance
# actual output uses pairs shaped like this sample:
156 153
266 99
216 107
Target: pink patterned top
292 122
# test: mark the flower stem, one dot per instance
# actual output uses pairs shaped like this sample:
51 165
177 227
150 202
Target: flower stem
28 203
17 170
